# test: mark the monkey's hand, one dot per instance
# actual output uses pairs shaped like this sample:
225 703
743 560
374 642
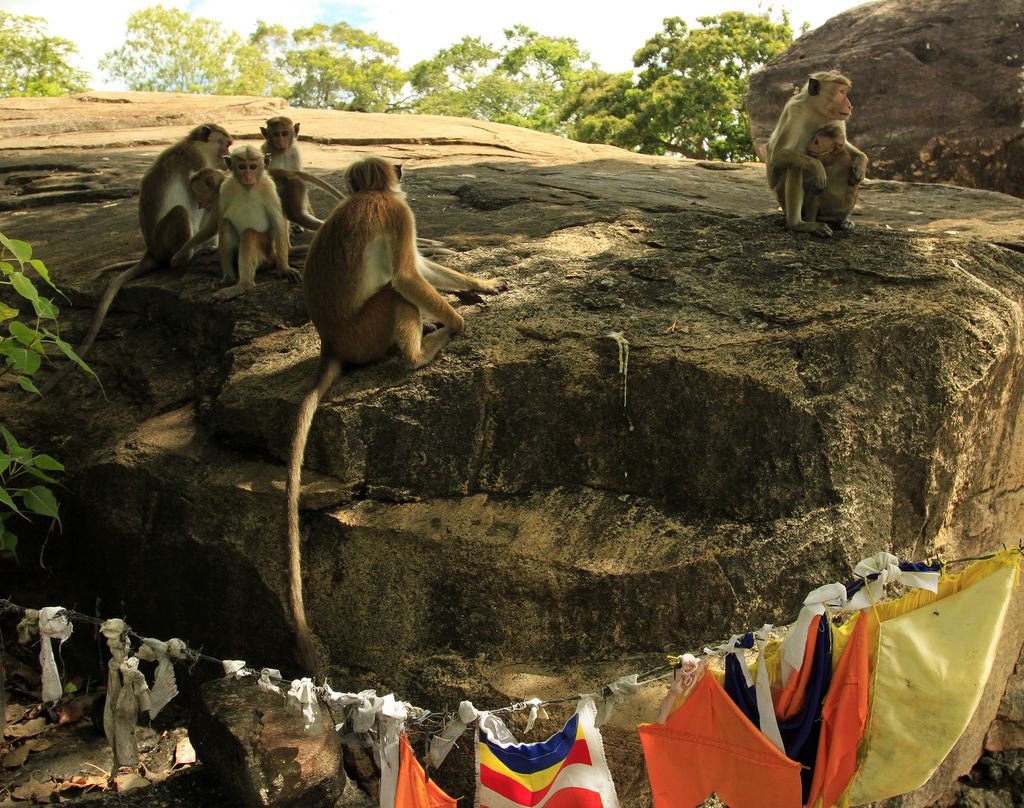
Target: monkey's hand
858 168
181 257
820 178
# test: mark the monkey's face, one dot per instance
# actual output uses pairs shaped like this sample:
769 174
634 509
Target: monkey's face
280 137
205 194
837 101
822 146
247 172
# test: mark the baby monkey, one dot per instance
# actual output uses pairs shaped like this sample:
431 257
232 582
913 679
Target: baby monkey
280 135
835 202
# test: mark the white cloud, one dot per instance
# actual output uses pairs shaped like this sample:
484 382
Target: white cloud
419 28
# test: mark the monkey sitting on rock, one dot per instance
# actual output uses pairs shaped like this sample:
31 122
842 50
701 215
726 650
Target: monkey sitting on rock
792 172
367 291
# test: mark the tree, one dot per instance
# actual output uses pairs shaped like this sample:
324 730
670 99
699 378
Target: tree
689 94
166 50
32 63
341 67
525 82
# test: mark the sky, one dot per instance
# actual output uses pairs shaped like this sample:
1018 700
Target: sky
419 29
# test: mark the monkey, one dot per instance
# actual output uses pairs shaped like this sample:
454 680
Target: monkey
206 184
824 99
291 190
365 296
250 223
835 203
280 135
168 216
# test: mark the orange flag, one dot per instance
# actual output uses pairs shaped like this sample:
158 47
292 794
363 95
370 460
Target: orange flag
843 718
414 790
708 745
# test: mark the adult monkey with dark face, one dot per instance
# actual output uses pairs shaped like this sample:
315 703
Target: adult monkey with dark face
365 295
168 215
824 99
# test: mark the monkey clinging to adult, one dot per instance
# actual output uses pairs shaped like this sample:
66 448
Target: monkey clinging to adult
824 99
250 221
280 135
834 204
365 296
168 215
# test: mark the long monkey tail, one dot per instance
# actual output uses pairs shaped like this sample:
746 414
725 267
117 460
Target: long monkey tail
330 370
143 266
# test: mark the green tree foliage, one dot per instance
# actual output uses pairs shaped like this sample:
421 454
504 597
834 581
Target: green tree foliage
340 67
688 97
166 50
32 63
25 475
526 82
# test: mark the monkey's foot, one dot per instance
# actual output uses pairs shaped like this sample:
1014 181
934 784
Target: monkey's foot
290 274
816 228
847 225
230 292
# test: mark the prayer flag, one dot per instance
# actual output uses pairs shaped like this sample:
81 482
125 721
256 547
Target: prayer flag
934 656
568 770
709 745
413 789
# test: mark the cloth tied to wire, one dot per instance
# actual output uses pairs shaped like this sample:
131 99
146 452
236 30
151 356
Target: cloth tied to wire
302 694
880 569
235 668
119 730
614 694
390 721
795 642
737 645
53 625
441 745
164 654
268 679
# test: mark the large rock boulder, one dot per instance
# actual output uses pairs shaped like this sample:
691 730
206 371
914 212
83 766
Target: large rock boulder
936 88
679 418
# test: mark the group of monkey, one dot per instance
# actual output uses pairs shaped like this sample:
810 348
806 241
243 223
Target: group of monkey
367 285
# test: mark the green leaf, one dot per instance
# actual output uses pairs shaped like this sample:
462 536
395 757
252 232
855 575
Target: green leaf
6 267
8 541
40 499
12 444
24 359
22 249
27 385
34 472
69 352
44 461
5 462
6 312
44 308
22 333
5 499
24 286
42 271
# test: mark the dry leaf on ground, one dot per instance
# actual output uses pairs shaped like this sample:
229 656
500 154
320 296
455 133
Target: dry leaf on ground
86 782
34 790
129 782
28 728
13 760
184 754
